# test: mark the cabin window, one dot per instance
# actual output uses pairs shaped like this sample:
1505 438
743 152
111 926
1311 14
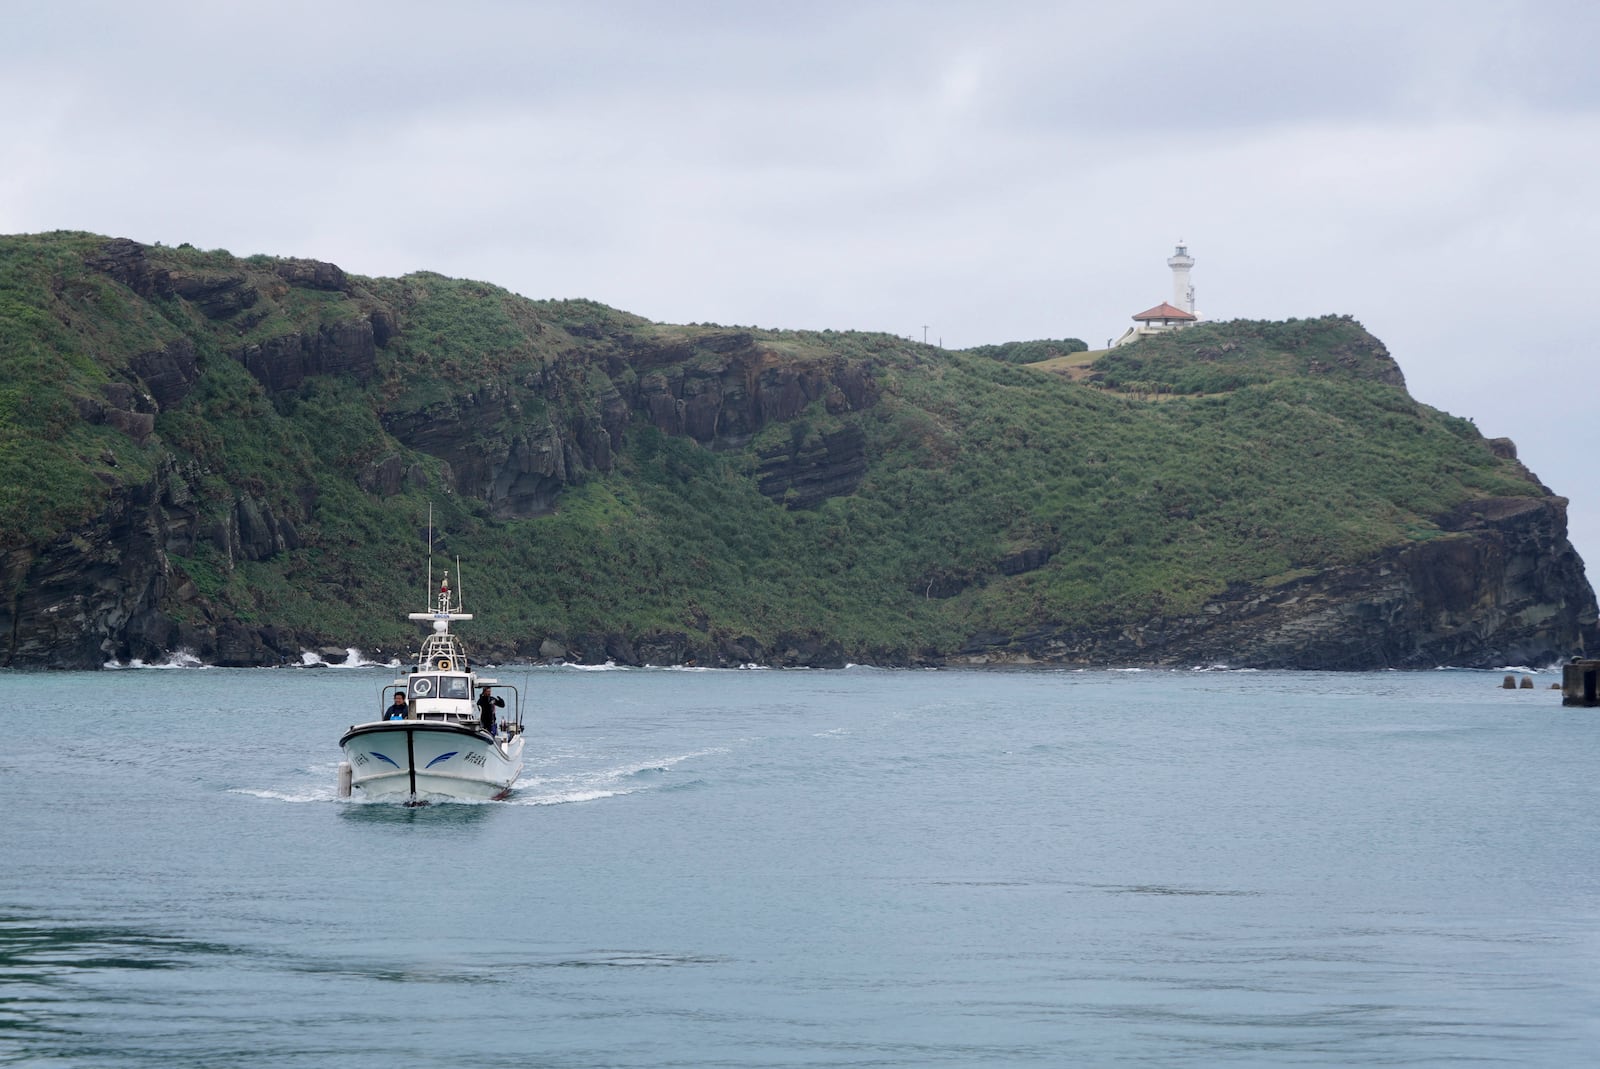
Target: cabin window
440 687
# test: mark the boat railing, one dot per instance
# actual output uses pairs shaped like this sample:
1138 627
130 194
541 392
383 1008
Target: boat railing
510 725
511 722
442 653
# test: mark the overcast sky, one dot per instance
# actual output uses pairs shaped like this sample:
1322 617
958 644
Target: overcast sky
988 171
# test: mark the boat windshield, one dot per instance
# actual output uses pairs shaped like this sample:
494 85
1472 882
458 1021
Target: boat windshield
431 686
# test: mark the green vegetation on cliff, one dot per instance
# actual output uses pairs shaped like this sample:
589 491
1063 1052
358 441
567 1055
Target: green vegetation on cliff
275 432
1029 352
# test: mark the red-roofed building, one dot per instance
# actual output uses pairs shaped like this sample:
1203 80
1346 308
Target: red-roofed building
1166 315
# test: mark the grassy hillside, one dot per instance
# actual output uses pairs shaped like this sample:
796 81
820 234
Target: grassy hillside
53 466
996 495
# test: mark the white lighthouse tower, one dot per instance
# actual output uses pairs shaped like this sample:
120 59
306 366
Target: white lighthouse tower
1182 292
1165 316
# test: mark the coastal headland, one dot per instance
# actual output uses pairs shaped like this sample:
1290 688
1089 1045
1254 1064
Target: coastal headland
236 456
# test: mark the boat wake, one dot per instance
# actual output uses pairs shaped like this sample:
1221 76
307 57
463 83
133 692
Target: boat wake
549 788
325 794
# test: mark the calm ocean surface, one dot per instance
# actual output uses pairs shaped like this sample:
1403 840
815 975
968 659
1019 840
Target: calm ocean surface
856 868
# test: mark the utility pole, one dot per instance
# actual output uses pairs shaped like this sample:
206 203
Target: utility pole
924 334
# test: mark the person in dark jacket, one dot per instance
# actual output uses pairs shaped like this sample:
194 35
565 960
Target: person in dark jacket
487 703
397 711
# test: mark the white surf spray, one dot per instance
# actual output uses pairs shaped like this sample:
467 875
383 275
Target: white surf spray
180 658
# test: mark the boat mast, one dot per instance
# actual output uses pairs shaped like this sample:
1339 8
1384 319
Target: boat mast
438 609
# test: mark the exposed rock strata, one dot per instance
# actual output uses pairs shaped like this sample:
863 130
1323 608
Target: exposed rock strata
168 373
107 591
519 470
806 473
216 295
725 403
1495 589
127 262
281 364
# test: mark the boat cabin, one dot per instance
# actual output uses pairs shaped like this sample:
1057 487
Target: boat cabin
445 686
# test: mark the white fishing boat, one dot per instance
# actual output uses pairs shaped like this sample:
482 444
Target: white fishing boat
440 736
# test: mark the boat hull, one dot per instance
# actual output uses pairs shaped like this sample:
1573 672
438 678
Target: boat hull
415 760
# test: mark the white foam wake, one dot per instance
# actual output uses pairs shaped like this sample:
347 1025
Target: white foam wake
305 794
617 781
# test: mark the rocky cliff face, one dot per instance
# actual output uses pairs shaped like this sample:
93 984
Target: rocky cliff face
1496 589
108 592
726 401
731 391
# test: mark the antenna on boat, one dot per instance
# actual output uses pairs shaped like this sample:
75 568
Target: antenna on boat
461 586
438 609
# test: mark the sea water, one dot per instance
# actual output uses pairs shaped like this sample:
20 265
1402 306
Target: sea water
807 868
